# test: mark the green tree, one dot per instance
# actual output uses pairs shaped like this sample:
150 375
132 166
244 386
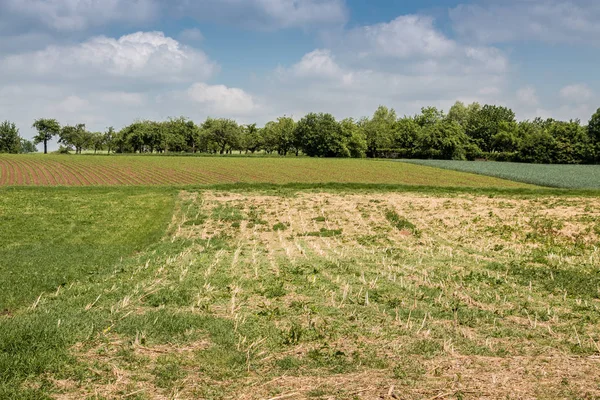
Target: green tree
47 129
27 147
182 134
406 133
379 130
507 139
109 139
572 143
483 124
283 130
224 133
356 141
458 113
321 136
429 116
97 141
444 139
537 145
269 137
10 141
252 138
76 137
594 133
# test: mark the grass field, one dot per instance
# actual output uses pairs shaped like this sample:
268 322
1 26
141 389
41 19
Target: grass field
52 170
559 176
288 294
51 236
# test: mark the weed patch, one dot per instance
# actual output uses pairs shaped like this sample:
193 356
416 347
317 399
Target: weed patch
401 223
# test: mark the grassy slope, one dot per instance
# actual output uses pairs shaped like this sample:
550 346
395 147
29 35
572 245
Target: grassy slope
160 170
51 237
213 308
560 176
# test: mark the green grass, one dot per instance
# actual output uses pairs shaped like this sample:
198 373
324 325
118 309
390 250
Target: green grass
559 176
49 170
400 223
323 232
494 284
53 237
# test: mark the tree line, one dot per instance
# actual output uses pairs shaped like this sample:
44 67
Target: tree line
465 132
11 142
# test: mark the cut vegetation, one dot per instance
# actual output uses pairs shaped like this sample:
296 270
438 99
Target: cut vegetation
363 295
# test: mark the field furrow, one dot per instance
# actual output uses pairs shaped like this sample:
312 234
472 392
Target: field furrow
117 170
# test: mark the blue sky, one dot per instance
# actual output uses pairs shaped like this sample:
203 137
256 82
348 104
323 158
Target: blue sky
108 62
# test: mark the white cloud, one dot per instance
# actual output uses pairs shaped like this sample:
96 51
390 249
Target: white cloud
553 21
79 15
267 14
489 91
318 64
191 35
72 15
406 64
577 93
111 82
71 104
121 98
527 96
221 99
143 56
411 44
404 37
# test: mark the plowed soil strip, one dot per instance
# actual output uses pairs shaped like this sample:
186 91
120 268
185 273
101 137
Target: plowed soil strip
82 174
40 177
3 172
98 174
109 177
144 174
121 173
185 176
148 176
54 172
69 175
201 176
29 172
174 174
16 177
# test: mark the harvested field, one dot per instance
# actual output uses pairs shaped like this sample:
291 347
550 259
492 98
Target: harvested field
342 295
53 170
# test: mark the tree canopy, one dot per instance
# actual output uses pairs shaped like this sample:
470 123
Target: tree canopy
47 129
10 141
466 132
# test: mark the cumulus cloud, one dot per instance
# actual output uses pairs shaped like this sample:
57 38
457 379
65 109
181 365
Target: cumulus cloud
577 93
191 35
404 37
267 14
79 15
553 21
72 15
413 45
143 56
318 65
222 99
406 63
528 96
112 81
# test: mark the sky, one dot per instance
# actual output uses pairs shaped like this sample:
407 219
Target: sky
109 62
